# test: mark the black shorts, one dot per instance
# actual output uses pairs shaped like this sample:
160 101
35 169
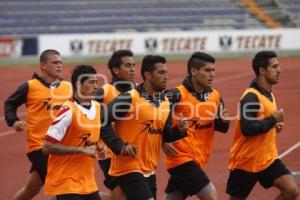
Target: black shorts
137 187
93 196
111 182
39 162
240 182
187 177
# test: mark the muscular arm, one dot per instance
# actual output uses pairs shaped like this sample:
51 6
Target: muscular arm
117 109
171 134
50 147
13 102
56 133
220 125
250 125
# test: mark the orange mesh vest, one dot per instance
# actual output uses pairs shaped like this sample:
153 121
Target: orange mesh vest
254 154
42 105
75 173
197 145
142 126
110 92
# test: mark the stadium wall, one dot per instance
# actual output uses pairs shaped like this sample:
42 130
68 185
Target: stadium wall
166 43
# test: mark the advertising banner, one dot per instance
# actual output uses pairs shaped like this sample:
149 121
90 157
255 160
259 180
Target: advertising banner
180 42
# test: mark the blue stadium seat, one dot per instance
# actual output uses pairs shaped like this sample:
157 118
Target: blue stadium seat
19 17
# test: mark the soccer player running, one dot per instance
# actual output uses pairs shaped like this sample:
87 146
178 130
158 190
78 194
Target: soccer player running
142 123
203 107
122 68
43 96
253 154
72 141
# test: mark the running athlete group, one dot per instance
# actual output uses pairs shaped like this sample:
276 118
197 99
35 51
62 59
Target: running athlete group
124 126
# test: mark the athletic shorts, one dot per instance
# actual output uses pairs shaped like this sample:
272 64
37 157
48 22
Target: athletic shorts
39 162
110 182
187 177
138 187
93 196
240 182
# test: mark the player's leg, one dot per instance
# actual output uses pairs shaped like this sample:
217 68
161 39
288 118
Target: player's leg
279 176
36 178
135 186
240 183
110 182
208 192
31 188
189 179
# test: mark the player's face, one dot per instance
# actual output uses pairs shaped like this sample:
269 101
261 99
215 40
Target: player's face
205 75
53 67
89 87
159 77
126 72
272 72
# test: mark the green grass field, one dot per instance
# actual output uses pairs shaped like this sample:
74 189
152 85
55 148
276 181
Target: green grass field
33 61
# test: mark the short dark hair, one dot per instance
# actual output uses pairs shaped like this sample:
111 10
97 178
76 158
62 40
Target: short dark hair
116 58
45 54
198 60
261 59
149 61
79 71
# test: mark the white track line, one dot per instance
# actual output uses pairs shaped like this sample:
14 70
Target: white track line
289 150
8 132
237 76
11 131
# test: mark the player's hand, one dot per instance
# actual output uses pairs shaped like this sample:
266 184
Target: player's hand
101 150
129 150
182 123
113 126
20 126
225 115
169 149
89 151
279 115
279 127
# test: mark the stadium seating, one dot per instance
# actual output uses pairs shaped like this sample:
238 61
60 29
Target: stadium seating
31 17
292 8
